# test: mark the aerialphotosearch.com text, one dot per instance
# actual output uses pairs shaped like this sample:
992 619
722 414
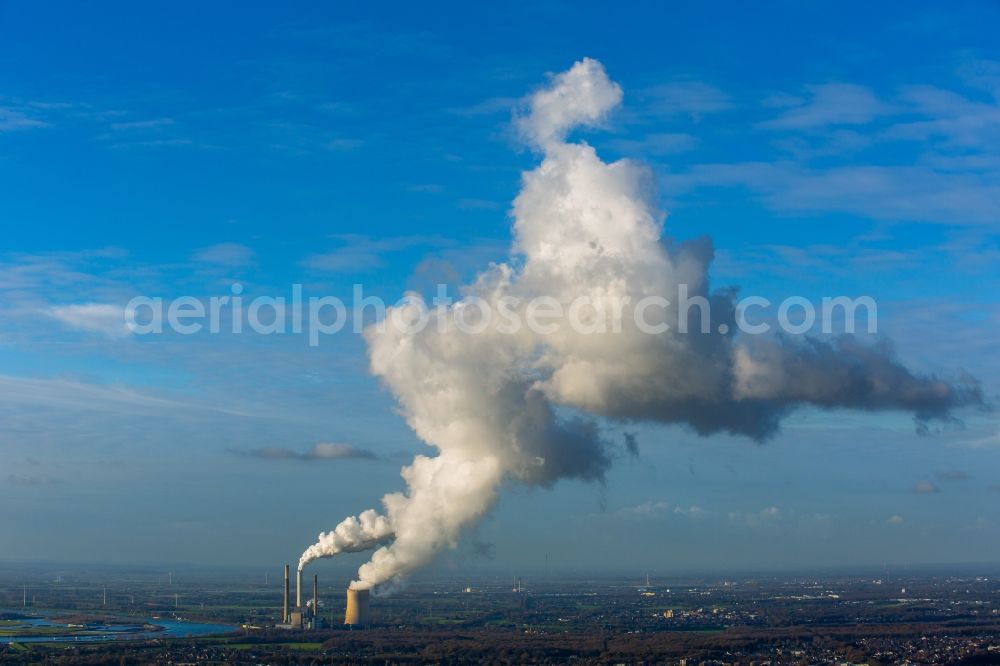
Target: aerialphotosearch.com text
318 316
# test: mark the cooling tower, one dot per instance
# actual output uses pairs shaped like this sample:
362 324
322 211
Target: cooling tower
284 615
357 607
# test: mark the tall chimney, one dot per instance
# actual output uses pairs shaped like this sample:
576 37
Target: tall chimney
357 607
298 589
315 598
284 616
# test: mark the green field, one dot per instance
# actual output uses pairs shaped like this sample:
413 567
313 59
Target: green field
26 631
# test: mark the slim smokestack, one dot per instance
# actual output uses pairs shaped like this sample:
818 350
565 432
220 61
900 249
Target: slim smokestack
298 589
357 607
315 597
284 616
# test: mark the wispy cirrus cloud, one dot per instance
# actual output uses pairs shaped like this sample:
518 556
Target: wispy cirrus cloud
15 120
925 487
953 475
342 144
104 318
953 118
425 188
891 193
150 124
320 451
487 107
683 98
657 144
228 255
452 264
478 204
156 143
358 253
68 395
768 517
829 104
31 480
940 162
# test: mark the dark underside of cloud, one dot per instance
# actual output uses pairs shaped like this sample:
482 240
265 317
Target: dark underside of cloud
788 373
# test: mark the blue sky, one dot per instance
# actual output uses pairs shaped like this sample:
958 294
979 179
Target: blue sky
826 148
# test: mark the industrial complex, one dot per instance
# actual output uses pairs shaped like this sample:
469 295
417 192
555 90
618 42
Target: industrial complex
307 616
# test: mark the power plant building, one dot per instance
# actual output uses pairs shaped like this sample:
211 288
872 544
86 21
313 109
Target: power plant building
306 616
299 617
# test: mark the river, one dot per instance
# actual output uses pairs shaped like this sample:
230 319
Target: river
96 632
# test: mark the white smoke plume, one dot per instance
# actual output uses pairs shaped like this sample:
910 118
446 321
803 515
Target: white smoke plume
353 535
519 406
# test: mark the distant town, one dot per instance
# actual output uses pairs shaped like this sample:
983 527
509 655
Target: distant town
893 616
